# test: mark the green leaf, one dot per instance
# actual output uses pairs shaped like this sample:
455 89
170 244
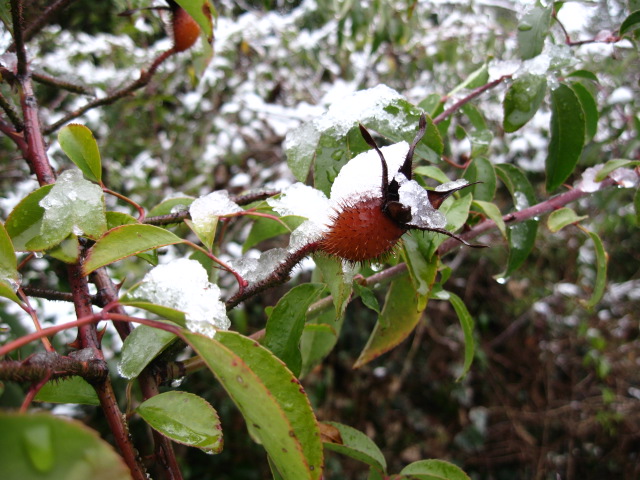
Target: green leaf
273 403
589 107
286 323
9 277
612 165
480 142
319 338
400 315
117 219
567 135
25 220
475 116
493 212
168 313
205 233
601 271
47 447
367 296
68 390
355 444
168 206
481 170
521 236
140 348
265 228
562 217
522 101
67 251
433 470
478 77
125 241
333 276
420 264
431 172
467 324
532 31
631 23
585 74
184 418
73 205
78 142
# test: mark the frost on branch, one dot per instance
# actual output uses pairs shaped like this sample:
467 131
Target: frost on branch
183 284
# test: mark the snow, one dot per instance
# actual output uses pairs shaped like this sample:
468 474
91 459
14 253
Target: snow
423 215
71 205
184 284
587 183
257 269
205 210
362 175
304 201
456 184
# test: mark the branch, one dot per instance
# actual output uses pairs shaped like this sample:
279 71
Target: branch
144 79
51 364
474 93
40 21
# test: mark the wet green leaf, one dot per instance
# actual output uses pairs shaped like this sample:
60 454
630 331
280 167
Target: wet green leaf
271 399
25 220
47 447
562 217
492 212
589 107
521 236
433 470
601 271
532 31
286 323
125 241
78 142
567 136
467 324
614 164
522 101
355 444
631 23
481 170
185 418
140 348
9 277
400 315
68 390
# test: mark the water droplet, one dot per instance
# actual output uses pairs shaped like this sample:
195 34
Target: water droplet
240 379
502 280
525 27
176 382
38 254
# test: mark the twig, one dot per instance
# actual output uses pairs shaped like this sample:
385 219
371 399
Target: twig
50 364
61 84
475 93
143 79
11 113
41 20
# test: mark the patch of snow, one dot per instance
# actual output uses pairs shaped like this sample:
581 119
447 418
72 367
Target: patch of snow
184 284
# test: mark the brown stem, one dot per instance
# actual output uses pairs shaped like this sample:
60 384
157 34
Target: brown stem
61 84
278 276
11 113
41 20
88 338
50 364
164 452
143 79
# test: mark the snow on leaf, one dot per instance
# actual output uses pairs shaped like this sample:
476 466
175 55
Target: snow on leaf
74 205
183 284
